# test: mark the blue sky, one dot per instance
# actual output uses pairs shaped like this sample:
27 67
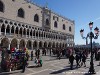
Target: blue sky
82 11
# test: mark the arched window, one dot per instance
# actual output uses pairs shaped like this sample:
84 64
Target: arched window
12 29
16 31
31 33
24 31
1 7
8 29
20 31
27 31
21 13
64 27
55 24
70 29
36 18
47 22
3 28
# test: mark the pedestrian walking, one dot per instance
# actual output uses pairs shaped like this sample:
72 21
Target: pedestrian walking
24 59
77 57
31 55
83 60
71 60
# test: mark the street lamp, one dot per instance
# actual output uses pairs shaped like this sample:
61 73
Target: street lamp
91 36
81 32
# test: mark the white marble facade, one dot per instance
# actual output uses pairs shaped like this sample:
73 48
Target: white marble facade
24 24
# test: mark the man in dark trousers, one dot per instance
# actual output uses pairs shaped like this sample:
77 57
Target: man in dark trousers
71 60
77 60
31 55
24 62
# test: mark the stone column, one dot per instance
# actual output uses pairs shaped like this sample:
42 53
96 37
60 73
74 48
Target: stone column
0 29
18 45
10 31
35 33
32 34
38 34
25 45
43 35
32 45
26 34
5 30
9 46
29 33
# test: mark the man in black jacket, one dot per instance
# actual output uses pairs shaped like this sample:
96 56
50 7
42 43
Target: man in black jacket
71 60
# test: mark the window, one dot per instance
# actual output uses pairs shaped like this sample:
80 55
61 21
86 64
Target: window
21 13
55 24
47 22
36 18
64 27
1 7
70 29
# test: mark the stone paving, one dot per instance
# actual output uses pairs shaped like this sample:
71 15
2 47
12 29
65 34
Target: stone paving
53 66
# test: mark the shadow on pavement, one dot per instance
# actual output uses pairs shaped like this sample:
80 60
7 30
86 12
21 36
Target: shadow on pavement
89 74
8 73
33 66
62 70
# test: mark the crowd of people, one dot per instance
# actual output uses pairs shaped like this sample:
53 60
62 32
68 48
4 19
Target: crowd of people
18 58
81 55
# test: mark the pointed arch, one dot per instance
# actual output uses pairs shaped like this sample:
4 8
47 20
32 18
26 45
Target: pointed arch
53 45
12 29
14 43
45 44
22 44
1 6
40 44
34 33
31 32
20 31
27 31
24 31
39 34
60 45
8 29
35 44
5 42
21 13
3 28
16 30
29 44
36 18
49 45
57 44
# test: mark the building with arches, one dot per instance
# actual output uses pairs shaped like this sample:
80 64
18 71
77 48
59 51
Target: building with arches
25 24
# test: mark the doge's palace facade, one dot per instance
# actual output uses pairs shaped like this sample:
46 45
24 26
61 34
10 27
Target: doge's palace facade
24 24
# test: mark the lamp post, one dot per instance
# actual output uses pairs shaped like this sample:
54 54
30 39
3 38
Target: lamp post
91 36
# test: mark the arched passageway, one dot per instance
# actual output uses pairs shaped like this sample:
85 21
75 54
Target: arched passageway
14 43
22 44
5 42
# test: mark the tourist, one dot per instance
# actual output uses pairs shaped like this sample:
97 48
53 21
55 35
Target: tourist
31 55
71 60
